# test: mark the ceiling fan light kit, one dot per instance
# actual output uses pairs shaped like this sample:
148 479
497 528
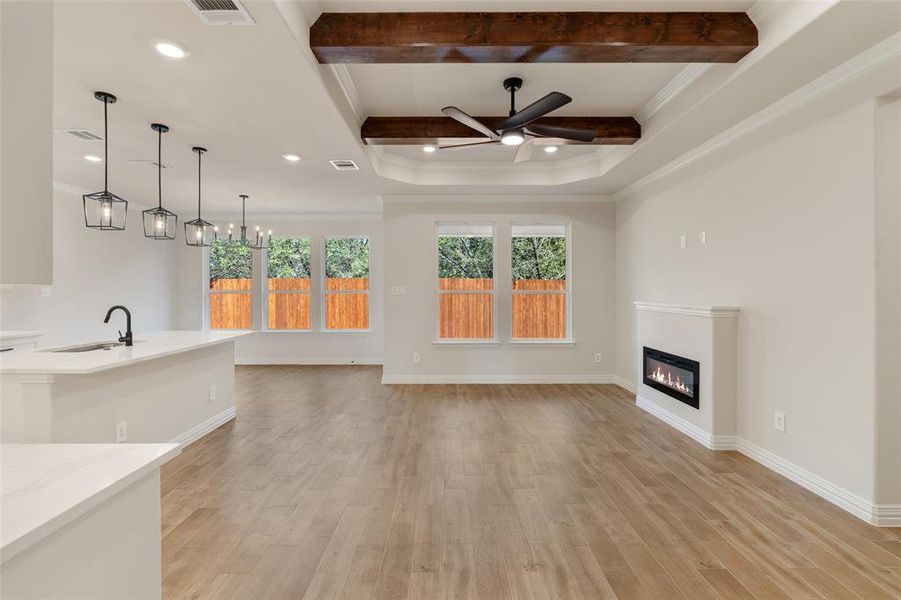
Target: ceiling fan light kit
520 129
104 210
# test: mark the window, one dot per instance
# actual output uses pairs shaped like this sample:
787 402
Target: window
540 287
465 282
346 283
288 284
231 286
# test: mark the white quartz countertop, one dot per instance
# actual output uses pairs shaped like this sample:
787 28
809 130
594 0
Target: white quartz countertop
147 346
6 336
45 486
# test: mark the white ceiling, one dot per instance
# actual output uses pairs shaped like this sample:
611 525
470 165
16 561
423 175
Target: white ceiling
250 94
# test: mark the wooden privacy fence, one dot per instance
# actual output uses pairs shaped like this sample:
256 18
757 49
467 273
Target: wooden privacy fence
289 303
461 315
535 315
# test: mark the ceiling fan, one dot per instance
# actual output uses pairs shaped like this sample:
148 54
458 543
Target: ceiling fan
519 129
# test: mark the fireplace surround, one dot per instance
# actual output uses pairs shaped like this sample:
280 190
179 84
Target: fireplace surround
675 376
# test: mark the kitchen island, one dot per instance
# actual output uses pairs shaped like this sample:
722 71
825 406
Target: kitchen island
170 386
81 520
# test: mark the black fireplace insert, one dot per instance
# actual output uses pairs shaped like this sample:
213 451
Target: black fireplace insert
673 375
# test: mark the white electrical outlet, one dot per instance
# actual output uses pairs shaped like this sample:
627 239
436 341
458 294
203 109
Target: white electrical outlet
779 421
212 393
597 357
683 242
45 291
121 431
416 358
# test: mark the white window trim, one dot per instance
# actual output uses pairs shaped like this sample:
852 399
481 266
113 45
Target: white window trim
264 325
493 340
324 293
568 340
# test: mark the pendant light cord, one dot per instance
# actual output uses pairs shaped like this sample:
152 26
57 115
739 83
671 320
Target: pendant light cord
199 155
105 148
159 167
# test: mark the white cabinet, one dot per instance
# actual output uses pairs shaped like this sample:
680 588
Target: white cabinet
26 142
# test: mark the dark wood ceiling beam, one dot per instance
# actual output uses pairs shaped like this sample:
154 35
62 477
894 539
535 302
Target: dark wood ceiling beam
386 131
532 37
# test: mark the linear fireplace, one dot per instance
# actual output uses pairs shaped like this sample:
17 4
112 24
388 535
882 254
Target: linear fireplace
673 375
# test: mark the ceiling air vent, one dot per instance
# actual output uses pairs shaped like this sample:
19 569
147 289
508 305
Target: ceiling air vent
83 135
220 12
345 165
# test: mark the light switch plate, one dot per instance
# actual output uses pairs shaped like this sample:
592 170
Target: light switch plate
702 237
398 290
683 242
416 358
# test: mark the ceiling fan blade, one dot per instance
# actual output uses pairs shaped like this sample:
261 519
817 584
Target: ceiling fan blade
566 133
458 115
524 151
536 110
452 146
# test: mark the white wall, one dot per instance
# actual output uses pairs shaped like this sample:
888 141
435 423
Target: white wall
411 320
316 347
92 270
790 229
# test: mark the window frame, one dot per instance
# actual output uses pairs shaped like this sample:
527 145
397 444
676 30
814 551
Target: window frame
264 325
493 340
567 291
207 293
325 292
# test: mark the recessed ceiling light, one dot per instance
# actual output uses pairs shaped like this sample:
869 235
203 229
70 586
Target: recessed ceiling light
291 157
92 158
429 149
550 149
171 49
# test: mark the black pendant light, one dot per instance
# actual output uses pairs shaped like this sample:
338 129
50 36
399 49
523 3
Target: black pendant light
105 210
258 241
159 223
198 232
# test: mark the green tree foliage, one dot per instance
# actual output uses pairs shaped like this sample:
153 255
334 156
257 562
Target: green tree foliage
465 257
346 257
230 260
289 259
539 258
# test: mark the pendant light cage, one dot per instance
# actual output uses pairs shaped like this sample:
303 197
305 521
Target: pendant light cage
104 210
160 223
199 233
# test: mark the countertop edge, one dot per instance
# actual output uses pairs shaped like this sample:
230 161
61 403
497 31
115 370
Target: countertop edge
100 369
15 547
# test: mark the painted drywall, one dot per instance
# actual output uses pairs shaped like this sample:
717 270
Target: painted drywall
789 228
888 301
315 347
93 270
411 319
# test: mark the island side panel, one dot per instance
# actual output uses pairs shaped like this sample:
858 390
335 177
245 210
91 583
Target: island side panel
111 552
161 400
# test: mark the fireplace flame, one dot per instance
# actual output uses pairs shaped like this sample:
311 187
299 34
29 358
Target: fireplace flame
666 378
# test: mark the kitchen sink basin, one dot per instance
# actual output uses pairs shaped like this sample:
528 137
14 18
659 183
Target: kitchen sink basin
92 347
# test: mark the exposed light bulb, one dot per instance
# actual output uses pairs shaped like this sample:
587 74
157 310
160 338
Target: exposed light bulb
160 224
198 233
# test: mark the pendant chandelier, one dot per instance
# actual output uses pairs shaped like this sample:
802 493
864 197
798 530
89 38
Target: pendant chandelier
198 232
105 210
259 241
159 223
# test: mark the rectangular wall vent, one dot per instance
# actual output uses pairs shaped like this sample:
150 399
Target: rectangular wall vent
345 165
221 12
83 135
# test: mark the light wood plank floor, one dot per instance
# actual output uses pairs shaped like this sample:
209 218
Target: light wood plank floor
331 485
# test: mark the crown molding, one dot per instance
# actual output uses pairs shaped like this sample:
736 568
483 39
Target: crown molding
667 93
887 50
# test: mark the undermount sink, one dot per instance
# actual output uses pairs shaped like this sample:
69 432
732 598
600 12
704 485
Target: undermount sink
92 347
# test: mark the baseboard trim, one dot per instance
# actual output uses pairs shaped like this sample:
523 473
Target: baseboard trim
497 379
626 384
881 515
195 433
305 360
